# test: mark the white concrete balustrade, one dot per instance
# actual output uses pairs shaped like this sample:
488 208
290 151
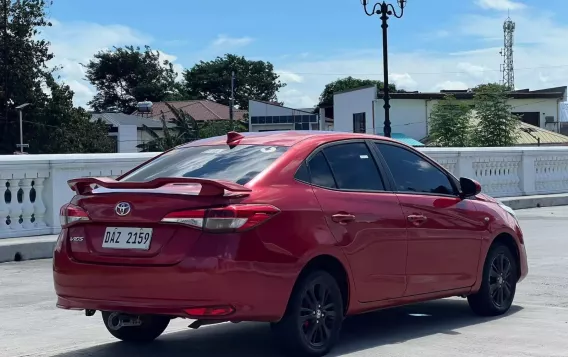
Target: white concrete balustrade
34 187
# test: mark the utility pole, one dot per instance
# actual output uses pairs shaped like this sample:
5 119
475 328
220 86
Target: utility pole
5 60
21 145
231 123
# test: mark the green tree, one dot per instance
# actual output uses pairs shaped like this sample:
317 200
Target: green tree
212 80
450 122
495 124
125 76
65 129
347 83
185 130
220 127
51 123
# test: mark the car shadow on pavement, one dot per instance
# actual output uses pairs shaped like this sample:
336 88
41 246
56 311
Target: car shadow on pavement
386 327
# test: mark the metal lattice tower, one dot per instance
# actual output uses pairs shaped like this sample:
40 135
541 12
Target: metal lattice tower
507 68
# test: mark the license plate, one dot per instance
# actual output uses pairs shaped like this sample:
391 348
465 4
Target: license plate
127 238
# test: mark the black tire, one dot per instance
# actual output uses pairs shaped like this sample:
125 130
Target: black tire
313 318
151 328
499 283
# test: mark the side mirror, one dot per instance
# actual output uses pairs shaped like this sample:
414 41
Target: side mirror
469 187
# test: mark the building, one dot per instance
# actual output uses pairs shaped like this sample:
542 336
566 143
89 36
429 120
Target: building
200 110
128 130
361 109
266 116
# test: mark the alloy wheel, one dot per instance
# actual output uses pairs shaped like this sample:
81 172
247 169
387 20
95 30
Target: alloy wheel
501 280
318 313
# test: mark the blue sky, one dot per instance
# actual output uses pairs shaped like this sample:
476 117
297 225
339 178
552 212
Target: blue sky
438 44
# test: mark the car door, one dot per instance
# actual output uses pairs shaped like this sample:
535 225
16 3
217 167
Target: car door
366 220
444 230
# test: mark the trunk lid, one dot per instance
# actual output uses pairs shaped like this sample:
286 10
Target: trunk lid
140 238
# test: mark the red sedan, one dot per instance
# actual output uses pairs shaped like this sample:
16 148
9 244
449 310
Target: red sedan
298 229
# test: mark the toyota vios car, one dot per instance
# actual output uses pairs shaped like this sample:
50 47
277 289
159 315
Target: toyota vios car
298 229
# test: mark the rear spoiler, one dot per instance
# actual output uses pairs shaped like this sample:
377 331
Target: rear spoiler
208 187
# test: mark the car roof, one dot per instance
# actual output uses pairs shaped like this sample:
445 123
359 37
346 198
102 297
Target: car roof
284 138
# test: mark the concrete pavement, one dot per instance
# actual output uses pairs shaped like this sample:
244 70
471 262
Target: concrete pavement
537 325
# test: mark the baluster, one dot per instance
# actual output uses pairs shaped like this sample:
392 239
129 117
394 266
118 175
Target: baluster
15 206
39 206
27 205
4 209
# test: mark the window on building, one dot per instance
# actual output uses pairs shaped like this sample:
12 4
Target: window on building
359 123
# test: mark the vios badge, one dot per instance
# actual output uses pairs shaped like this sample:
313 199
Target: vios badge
122 208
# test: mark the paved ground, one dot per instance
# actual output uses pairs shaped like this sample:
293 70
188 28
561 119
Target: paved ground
537 325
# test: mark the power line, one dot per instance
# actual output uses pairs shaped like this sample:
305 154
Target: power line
420 73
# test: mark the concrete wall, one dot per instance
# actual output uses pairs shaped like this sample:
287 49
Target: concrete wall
127 138
410 116
348 103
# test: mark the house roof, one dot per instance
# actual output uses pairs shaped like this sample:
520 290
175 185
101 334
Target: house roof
305 110
547 93
545 136
200 110
117 119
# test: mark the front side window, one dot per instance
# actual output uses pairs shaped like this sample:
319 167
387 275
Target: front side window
239 164
412 173
354 167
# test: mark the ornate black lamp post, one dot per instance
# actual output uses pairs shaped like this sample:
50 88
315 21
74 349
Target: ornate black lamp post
385 10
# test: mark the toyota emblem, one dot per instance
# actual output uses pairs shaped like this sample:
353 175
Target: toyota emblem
122 209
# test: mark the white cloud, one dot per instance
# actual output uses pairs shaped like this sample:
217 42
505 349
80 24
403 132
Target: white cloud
402 80
289 77
502 5
76 42
539 57
227 41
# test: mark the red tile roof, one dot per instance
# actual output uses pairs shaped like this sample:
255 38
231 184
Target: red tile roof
200 110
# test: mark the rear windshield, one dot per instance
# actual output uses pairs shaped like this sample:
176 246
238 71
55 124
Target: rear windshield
239 164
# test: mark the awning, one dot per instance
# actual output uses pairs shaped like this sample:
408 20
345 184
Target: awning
405 139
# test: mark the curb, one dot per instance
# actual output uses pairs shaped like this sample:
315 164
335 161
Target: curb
27 248
537 201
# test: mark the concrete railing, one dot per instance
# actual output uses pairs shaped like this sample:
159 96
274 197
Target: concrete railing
34 187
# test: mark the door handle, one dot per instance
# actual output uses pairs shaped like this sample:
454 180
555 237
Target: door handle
417 219
343 218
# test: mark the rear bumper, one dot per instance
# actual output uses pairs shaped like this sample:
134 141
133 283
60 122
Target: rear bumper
257 291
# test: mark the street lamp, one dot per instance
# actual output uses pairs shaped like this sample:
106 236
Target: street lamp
21 145
385 10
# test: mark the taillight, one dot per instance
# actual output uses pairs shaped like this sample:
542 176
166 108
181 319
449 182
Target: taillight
70 213
234 218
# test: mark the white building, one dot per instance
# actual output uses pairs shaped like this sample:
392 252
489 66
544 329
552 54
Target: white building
128 130
359 110
264 116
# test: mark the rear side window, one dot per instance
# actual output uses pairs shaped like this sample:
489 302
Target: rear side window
320 172
239 164
354 167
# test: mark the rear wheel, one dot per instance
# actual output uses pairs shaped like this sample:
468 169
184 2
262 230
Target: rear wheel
311 324
499 283
145 328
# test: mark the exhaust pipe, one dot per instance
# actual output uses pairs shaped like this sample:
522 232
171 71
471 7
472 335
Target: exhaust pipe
117 320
